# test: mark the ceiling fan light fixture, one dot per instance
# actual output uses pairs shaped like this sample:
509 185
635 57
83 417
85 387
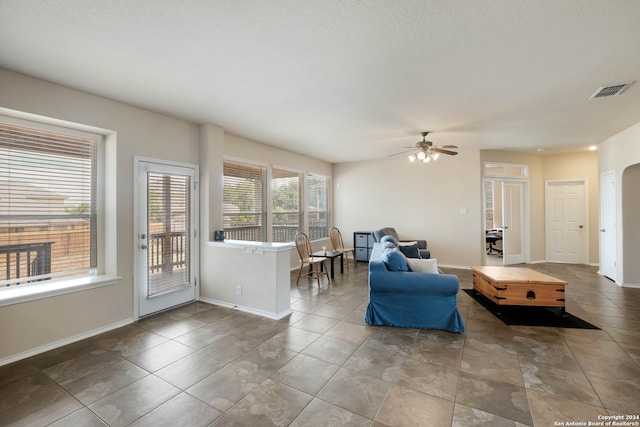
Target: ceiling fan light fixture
426 152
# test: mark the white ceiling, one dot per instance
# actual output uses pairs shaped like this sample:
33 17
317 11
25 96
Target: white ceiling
345 80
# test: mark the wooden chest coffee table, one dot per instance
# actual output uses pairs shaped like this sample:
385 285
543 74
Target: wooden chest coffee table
519 286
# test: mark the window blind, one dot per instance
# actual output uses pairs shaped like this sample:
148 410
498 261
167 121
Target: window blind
286 212
48 213
169 232
244 197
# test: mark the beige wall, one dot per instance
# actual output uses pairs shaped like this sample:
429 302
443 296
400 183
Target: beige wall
554 167
37 325
424 201
617 154
420 201
28 326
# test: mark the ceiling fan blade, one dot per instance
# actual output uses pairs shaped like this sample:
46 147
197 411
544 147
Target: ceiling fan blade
447 146
440 150
402 152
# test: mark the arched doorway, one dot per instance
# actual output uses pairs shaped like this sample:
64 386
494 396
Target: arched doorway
630 224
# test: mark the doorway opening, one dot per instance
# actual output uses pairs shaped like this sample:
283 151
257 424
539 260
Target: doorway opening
166 244
505 209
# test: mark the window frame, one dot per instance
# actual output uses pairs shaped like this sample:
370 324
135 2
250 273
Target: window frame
302 214
304 191
264 211
327 211
104 273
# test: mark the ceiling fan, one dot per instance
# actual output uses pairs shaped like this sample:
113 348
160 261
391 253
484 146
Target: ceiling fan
425 151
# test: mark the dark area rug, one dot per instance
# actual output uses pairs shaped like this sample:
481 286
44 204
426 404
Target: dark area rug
530 316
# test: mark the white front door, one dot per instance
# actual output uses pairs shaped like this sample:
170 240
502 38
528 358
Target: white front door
513 234
566 224
166 235
608 225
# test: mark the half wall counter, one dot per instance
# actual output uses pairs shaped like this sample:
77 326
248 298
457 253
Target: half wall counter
250 276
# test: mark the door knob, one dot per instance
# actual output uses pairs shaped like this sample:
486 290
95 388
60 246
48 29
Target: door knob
143 246
602 230
580 226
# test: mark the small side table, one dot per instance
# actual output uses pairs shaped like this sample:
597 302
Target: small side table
331 255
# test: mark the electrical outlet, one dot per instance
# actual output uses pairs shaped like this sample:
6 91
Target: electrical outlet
239 290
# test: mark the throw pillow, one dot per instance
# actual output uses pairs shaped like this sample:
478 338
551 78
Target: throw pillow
389 238
410 251
395 260
388 245
423 265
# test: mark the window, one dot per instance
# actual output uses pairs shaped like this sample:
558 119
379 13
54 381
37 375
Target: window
504 170
286 212
48 202
317 206
245 209
244 202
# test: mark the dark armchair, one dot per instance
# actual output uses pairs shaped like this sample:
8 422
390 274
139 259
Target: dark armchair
422 244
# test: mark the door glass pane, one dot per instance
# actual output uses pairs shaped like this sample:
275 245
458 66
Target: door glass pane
513 202
168 231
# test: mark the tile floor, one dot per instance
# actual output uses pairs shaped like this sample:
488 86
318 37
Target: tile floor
201 365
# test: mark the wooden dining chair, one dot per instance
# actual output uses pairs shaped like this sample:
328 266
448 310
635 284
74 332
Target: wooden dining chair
316 264
338 246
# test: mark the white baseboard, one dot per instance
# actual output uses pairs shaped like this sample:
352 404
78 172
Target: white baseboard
65 341
630 285
251 310
461 267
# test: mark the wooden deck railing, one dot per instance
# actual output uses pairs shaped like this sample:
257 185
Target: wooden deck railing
26 260
167 251
280 233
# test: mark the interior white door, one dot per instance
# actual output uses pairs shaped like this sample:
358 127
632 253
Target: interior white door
608 225
513 241
566 224
167 237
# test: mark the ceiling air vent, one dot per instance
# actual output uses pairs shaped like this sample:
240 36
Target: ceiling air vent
612 90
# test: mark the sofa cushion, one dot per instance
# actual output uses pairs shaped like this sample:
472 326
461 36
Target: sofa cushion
389 239
423 265
410 250
394 260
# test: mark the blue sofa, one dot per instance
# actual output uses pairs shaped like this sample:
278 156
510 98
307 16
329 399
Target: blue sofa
411 299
